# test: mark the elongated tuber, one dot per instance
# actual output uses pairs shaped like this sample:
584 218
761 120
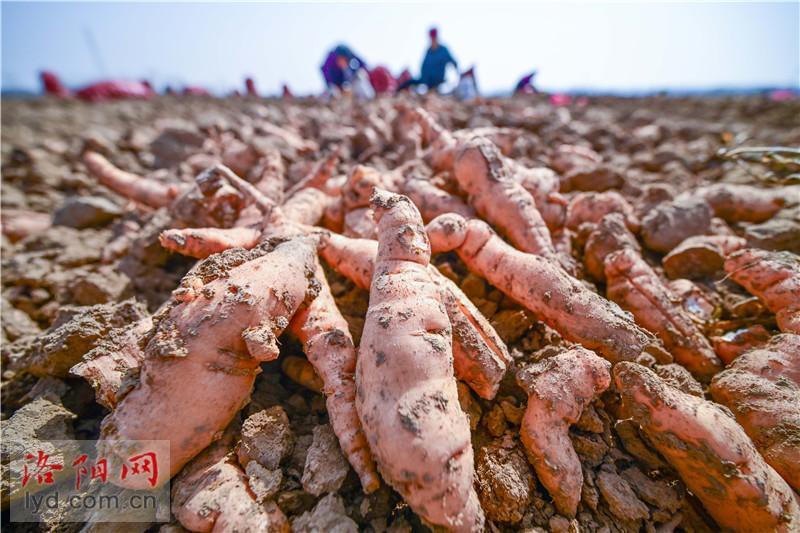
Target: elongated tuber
559 389
637 288
204 352
407 397
329 347
146 191
772 276
483 174
610 235
593 206
762 388
554 296
702 255
741 203
710 452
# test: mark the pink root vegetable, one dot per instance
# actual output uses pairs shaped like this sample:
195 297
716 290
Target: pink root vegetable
480 356
20 223
327 342
500 200
106 367
212 494
762 389
359 223
204 352
270 176
202 242
734 343
610 235
701 256
568 157
593 206
772 276
637 288
433 201
559 389
407 396
319 176
554 296
146 191
710 452
742 203
543 184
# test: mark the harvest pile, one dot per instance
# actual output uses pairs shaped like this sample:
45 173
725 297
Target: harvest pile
404 314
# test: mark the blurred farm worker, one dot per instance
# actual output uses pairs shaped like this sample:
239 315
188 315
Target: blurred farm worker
340 66
434 65
467 88
525 85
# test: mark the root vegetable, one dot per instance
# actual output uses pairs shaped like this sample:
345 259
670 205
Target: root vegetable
359 223
20 223
299 370
482 172
555 297
204 352
270 176
319 176
433 201
559 389
407 397
610 235
700 256
106 367
637 288
593 206
202 242
146 191
480 356
212 494
669 224
711 453
732 344
329 347
762 389
741 203
543 184
772 276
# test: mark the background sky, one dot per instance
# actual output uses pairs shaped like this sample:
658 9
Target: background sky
602 46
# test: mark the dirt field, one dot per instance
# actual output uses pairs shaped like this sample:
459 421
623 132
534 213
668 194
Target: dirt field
83 268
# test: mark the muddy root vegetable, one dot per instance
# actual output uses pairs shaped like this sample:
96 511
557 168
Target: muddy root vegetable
539 285
635 287
407 396
762 389
710 452
327 342
559 389
202 242
107 366
480 355
299 370
700 256
543 184
774 277
146 191
610 235
483 173
212 494
732 344
742 203
433 201
593 206
270 176
20 223
204 351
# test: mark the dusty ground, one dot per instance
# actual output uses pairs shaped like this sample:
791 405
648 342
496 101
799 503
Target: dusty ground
51 278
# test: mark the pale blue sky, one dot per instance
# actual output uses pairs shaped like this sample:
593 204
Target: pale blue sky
613 46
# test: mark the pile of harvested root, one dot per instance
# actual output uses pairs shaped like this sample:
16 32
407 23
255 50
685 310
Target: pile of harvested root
404 314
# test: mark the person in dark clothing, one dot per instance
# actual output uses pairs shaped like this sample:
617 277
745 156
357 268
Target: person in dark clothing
433 66
525 84
340 66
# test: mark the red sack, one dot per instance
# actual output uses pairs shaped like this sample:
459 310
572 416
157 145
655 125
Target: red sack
382 80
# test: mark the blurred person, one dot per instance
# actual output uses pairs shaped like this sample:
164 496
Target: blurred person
434 65
286 92
467 88
250 86
340 67
525 85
